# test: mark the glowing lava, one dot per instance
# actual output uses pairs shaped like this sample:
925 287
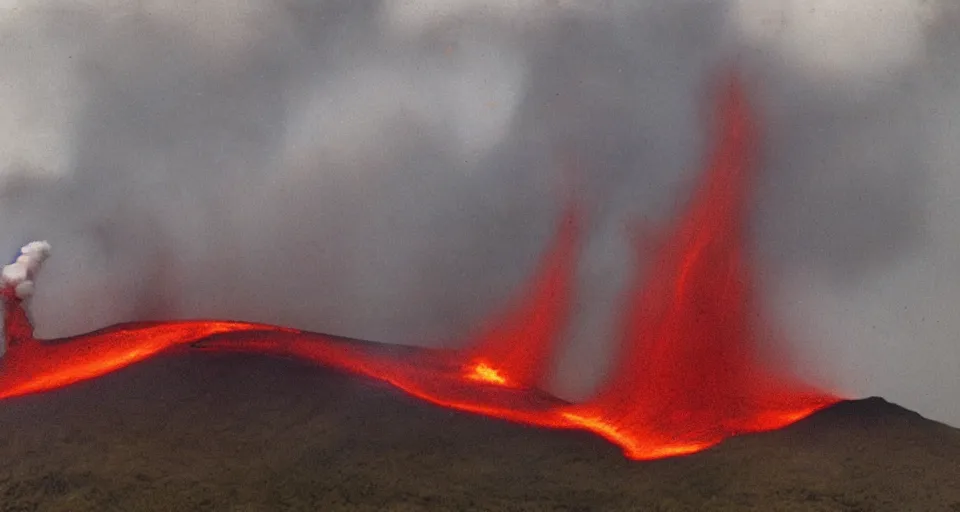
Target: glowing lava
482 372
688 374
516 351
31 366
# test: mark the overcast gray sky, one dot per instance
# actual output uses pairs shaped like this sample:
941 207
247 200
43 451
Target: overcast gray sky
385 169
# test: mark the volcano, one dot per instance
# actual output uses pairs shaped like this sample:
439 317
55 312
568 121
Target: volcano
222 432
689 373
204 421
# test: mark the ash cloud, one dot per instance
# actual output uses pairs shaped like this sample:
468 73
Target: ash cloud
388 170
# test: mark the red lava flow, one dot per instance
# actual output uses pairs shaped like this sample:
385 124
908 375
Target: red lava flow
33 366
688 373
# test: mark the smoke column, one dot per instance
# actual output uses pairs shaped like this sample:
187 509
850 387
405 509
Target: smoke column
386 170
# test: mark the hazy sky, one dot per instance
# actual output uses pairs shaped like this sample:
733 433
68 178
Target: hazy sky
386 170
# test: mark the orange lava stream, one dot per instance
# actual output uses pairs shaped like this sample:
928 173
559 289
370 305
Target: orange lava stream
32 366
688 374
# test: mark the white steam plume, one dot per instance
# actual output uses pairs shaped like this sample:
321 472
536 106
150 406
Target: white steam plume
19 275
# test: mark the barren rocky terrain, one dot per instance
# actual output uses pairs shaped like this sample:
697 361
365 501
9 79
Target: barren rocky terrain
238 433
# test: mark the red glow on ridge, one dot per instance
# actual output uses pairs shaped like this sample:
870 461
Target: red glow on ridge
32 366
688 374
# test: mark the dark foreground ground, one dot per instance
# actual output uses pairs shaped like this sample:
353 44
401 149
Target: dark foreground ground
230 432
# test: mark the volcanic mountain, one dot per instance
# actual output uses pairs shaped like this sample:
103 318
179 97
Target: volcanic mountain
242 432
692 371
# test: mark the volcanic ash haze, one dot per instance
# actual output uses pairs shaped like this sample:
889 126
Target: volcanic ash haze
689 373
385 170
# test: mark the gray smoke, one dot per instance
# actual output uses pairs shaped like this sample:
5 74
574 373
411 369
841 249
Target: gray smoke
387 169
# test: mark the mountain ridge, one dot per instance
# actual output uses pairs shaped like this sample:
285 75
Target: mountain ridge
239 432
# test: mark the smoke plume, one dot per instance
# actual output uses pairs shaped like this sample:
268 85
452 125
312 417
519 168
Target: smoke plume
389 169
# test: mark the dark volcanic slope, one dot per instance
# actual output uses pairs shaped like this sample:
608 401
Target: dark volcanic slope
219 432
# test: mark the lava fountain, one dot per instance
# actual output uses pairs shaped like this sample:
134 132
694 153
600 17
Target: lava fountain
689 371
